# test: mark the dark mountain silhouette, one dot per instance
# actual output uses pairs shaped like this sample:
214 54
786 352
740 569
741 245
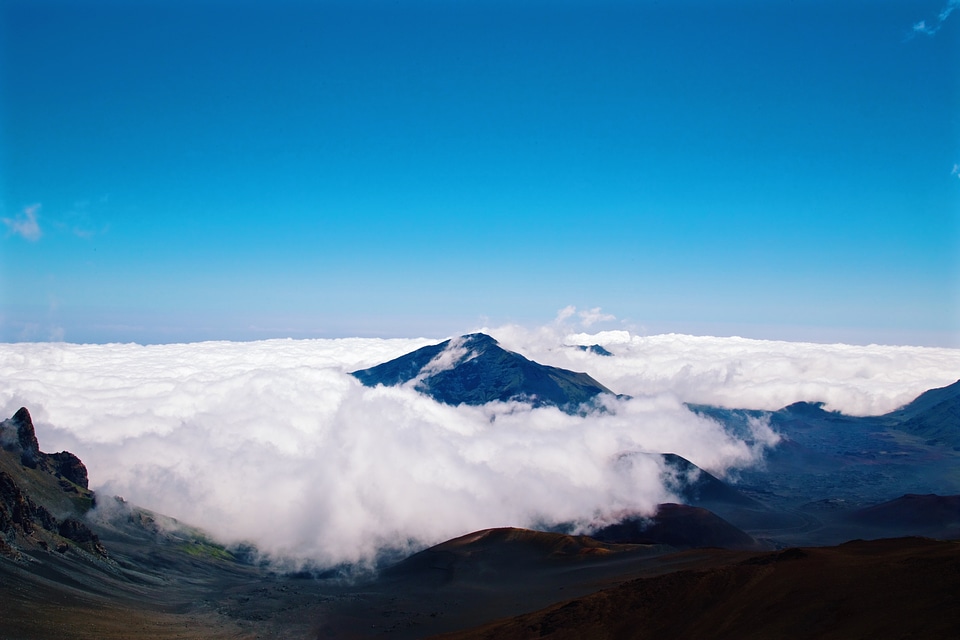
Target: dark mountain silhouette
474 369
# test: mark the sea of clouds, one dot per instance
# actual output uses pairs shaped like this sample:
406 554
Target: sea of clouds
274 443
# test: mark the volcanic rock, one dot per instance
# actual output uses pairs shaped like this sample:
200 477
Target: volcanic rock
18 435
33 487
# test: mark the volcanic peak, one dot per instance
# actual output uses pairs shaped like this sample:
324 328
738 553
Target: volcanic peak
474 369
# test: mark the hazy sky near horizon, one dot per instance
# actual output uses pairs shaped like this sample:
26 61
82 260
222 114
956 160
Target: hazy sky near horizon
179 171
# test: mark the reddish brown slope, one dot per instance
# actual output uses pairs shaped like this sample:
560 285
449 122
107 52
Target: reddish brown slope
899 588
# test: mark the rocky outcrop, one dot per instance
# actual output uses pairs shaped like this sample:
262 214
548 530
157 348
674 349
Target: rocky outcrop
73 529
26 437
18 513
19 436
20 517
68 466
33 487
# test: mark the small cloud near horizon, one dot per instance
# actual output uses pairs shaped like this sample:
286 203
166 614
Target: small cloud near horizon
587 317
25 225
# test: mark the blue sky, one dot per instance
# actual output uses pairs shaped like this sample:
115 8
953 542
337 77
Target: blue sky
179 171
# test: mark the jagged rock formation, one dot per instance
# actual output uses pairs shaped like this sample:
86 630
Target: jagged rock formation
474 369
33 487
17 435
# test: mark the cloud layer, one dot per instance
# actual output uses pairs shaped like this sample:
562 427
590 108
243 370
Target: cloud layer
274 442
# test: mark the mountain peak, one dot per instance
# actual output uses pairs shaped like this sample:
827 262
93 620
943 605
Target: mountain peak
18 433
474 369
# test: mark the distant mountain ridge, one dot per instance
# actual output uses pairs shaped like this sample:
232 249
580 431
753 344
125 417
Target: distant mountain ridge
934 415
474 369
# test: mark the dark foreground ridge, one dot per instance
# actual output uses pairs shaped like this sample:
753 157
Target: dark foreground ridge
897 588
474 369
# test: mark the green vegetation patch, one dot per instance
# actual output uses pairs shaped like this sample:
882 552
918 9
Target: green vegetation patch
206 549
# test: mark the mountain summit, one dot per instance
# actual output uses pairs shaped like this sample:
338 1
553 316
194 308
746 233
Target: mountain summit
474 369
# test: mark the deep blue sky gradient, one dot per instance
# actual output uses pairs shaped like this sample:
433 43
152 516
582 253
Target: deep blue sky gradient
222 170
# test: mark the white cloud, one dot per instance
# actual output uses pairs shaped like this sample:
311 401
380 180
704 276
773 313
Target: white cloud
567 312
452 355
931 29
603 337
276 443
25 224
592 316
587 316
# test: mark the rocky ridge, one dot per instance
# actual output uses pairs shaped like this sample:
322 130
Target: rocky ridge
43 496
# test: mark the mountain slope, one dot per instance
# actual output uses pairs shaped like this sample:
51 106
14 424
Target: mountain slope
896 588
928 515
934 416
700 488
678 525
68 570
474 369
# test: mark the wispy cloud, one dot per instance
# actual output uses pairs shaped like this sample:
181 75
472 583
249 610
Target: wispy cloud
592 316
935 25
587 316
956 170
25 224
80 219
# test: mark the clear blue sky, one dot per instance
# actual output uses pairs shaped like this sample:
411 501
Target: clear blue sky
179 171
